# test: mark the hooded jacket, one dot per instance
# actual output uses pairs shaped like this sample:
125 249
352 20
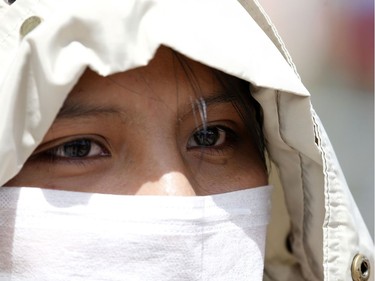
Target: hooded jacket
316 231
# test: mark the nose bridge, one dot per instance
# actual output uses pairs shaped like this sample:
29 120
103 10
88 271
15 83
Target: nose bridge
167 170
175 183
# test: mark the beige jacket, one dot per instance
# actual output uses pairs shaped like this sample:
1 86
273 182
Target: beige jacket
45 45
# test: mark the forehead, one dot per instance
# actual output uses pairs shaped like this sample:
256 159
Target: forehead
168 72
169 84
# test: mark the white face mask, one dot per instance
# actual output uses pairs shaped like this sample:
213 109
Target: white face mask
60 235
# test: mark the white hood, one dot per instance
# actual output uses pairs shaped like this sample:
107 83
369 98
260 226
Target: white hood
38 70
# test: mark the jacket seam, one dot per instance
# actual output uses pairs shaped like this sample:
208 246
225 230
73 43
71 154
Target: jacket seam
278 95
327 198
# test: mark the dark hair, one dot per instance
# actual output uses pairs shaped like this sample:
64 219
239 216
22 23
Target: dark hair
247 107
238 92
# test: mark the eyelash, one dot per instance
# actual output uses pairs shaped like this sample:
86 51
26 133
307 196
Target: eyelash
226 136
50 154
230 139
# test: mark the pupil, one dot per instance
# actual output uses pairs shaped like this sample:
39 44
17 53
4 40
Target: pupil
77 148
207 137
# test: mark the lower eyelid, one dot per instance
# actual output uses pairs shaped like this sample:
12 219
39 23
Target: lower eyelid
219 156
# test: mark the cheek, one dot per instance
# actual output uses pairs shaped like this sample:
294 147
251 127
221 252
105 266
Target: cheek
206 177
28 177
234 174
60 177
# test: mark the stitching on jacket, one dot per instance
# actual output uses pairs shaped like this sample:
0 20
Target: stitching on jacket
327 197
305 256
282 48
304 208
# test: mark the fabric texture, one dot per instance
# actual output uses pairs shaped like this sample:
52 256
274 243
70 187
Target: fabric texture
60 235
313 208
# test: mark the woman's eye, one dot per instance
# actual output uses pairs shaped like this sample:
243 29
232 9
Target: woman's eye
77 149
214 136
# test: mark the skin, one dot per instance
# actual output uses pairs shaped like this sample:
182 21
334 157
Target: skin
141 127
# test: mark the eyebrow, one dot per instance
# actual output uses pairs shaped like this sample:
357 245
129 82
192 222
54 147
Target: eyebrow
217 98
72 109
200 104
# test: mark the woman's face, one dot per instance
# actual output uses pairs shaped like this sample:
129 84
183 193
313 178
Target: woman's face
143 132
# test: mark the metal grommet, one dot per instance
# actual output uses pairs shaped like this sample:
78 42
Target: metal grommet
29 24
361 268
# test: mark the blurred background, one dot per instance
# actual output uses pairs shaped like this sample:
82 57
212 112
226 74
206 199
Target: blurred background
332 45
